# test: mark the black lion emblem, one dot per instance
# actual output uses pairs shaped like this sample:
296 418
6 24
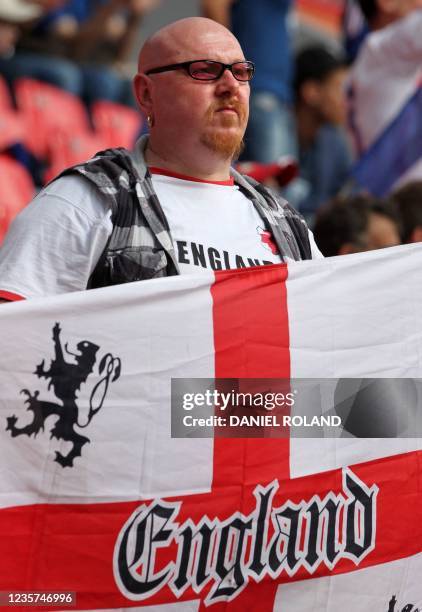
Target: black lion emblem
65 380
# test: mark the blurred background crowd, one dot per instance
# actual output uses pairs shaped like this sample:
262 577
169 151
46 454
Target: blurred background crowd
336 102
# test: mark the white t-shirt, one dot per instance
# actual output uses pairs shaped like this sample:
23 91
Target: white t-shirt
213 226
53 246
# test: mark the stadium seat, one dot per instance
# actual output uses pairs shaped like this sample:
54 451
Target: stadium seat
118 125
12 128
70 149
16 190
48 110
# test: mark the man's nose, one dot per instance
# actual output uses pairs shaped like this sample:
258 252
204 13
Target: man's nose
227 83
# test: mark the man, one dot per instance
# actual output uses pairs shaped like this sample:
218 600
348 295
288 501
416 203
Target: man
387 70
262 30
174 205
359 223
97 37
14 63
320 105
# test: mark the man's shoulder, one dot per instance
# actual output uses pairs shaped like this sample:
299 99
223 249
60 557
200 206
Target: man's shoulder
106 173
108 160
73 192
282 217
69 186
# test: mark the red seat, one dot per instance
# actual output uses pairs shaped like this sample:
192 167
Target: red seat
5 96
70 149
118 125
16 190
47 110
12 128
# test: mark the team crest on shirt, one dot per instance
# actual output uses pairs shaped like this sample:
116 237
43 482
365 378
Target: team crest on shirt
65 379
267 240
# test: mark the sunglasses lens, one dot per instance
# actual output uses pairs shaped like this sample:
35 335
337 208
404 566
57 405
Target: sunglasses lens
243 71
205 71
210 71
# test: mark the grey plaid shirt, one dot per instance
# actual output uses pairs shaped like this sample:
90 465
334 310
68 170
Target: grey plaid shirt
140 246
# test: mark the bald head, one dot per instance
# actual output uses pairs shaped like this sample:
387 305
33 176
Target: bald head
196 124
180 41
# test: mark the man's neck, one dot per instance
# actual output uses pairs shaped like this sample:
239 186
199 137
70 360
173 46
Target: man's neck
307 127
205 165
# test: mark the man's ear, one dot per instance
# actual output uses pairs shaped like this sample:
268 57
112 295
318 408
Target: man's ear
142 89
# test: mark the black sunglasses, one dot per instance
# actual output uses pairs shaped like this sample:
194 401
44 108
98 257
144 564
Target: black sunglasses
209 70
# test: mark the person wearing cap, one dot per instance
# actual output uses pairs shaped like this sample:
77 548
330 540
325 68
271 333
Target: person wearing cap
12 14
172 206
97 37
16 63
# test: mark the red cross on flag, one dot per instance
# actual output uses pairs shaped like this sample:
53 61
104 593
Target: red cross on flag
97 498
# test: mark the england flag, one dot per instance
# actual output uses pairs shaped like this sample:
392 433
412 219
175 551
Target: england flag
98 499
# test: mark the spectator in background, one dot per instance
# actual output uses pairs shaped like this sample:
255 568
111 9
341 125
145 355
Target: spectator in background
12 14
99 35
359 223
82 46
324 155
261 28
408 200
387 70
16 63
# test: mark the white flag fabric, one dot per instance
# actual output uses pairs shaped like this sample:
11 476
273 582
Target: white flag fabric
98 499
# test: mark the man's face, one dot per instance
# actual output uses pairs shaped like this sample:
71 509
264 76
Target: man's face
212 113
332 97
226 118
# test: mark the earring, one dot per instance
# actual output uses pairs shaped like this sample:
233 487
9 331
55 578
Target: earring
150 121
